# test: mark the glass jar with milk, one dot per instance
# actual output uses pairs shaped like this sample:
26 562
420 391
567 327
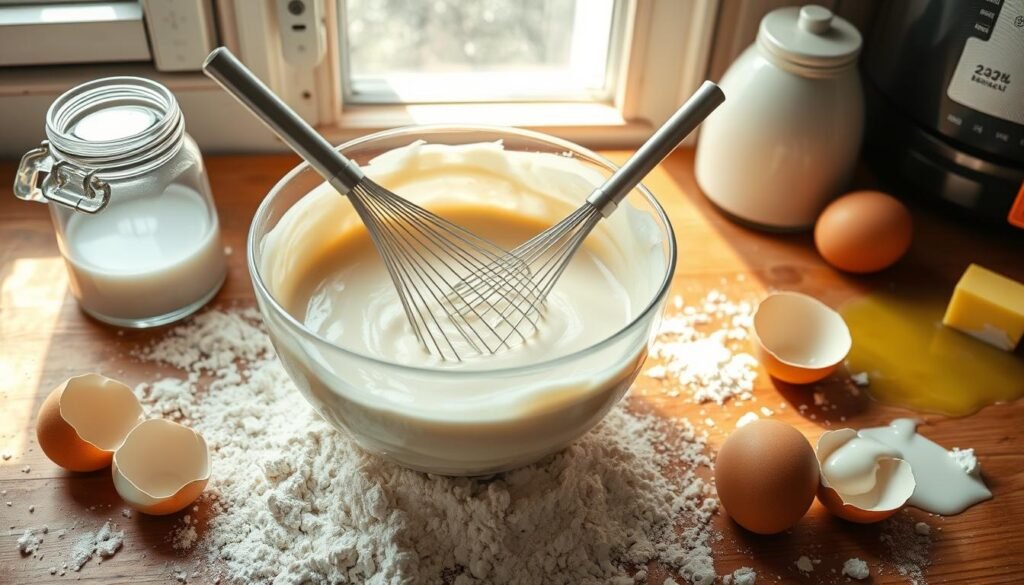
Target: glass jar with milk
130 202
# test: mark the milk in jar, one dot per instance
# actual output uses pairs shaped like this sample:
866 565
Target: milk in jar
130 202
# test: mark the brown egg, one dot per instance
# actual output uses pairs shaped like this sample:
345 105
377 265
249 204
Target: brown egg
84 420
863 231
767 476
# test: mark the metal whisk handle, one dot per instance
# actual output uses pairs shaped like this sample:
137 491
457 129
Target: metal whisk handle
239 81
704 101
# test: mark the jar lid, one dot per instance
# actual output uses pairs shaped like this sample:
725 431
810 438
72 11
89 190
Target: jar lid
811 37
113 128
108 120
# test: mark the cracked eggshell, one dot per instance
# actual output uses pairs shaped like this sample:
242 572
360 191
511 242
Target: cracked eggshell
162 467
800 339
894 484
84 420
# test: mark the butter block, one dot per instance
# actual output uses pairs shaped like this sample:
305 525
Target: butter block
988 306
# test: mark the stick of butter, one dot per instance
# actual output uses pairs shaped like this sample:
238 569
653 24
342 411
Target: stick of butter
988 306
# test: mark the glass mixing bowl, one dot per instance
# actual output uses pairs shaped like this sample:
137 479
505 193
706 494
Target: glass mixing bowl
482 431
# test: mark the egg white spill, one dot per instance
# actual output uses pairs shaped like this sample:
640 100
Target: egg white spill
943 487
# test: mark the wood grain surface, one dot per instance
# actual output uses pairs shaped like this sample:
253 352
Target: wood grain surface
44 338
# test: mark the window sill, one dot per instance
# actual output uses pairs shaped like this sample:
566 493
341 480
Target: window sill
591 124
220 126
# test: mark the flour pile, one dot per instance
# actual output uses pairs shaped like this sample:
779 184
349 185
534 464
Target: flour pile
294 501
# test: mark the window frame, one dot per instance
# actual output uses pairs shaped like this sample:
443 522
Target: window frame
91 32
661 61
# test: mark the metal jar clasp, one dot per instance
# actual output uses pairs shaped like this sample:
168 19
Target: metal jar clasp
42 178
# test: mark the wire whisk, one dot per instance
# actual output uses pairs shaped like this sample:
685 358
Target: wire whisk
462 294
542 259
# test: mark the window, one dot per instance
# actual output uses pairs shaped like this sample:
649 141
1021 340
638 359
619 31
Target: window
396 51
603 73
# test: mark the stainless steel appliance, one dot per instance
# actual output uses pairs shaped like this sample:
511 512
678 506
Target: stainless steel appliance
945 88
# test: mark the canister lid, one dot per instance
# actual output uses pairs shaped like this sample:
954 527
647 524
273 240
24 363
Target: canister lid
810 36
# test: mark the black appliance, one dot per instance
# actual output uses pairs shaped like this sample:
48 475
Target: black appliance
945 91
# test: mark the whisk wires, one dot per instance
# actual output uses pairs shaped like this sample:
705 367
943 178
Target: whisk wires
533 267
462 294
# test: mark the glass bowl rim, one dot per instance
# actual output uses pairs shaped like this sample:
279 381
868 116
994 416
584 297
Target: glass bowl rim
293 323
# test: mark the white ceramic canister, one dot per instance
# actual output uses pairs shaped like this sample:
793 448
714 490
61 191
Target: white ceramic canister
787 139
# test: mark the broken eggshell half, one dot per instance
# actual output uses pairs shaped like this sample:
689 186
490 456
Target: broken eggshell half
162 467
801 340
84 420
862 480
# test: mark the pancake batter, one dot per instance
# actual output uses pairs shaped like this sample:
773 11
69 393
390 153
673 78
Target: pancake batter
345 294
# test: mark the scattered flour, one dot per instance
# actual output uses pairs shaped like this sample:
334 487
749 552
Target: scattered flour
81 551
108 542
294 501
856 569
861 379
909 550
966 460
169 397
186 536
741 576
746 419
30 541
105 543
922 528
212 342
700 351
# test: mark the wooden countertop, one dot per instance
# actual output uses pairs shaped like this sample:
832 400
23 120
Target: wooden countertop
45 339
